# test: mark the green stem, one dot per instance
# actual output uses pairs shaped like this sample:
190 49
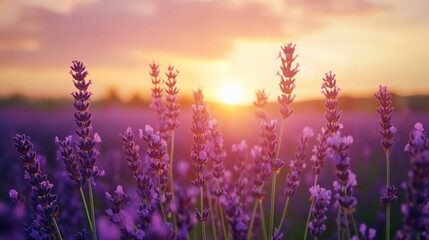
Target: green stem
388 168
57 229
203 226
255 206
273 183
308 219
339 223
91 202
173 199
388 185
160 195
86 209
225 232
311 207
282 126
284 213
355 227
388 221
347 225
263 221
212 217
273 197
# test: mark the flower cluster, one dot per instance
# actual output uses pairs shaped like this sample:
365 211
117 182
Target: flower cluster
67 153
199 127
385 110
172 107
321 199
87 153
298 165
259 103
331 90
319 152
44 225
217 155
416 214
287 80
271 144
158 102
338 152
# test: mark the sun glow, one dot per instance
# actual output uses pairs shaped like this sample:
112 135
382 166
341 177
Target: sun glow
231 93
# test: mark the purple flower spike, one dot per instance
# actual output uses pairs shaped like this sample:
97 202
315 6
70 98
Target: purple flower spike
158 102
199 128
261 101
287 80
271 145
67 153
43 225
365 233
332 113
87 153
321 198
385 110
172 107
416 208
298 164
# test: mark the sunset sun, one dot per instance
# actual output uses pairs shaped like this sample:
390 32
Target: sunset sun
231 93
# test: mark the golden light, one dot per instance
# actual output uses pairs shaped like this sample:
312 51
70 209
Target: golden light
231 93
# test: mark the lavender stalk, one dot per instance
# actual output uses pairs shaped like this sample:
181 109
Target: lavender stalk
287 85
87 153
386 131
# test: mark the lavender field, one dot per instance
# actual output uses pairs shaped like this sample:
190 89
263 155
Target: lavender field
234 178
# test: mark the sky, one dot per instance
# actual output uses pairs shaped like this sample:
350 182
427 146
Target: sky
213 43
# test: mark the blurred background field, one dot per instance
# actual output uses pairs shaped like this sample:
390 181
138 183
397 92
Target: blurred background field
43 120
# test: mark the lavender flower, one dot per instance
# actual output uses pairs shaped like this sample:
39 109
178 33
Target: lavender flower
332 114
82 235
386 130
44 224
172 107
156 149
287 82
87 153
199 127
338 152
365 233
270 149
390 197
260 171
158 102
116 213
67 153
321 198
156 153
236 217
277 235
385 110
415 211
16 198
319 152
298 165
261 101
217 155
131 151
241 168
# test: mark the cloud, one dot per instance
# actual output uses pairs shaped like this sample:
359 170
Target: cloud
12 10
125 33
109 29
